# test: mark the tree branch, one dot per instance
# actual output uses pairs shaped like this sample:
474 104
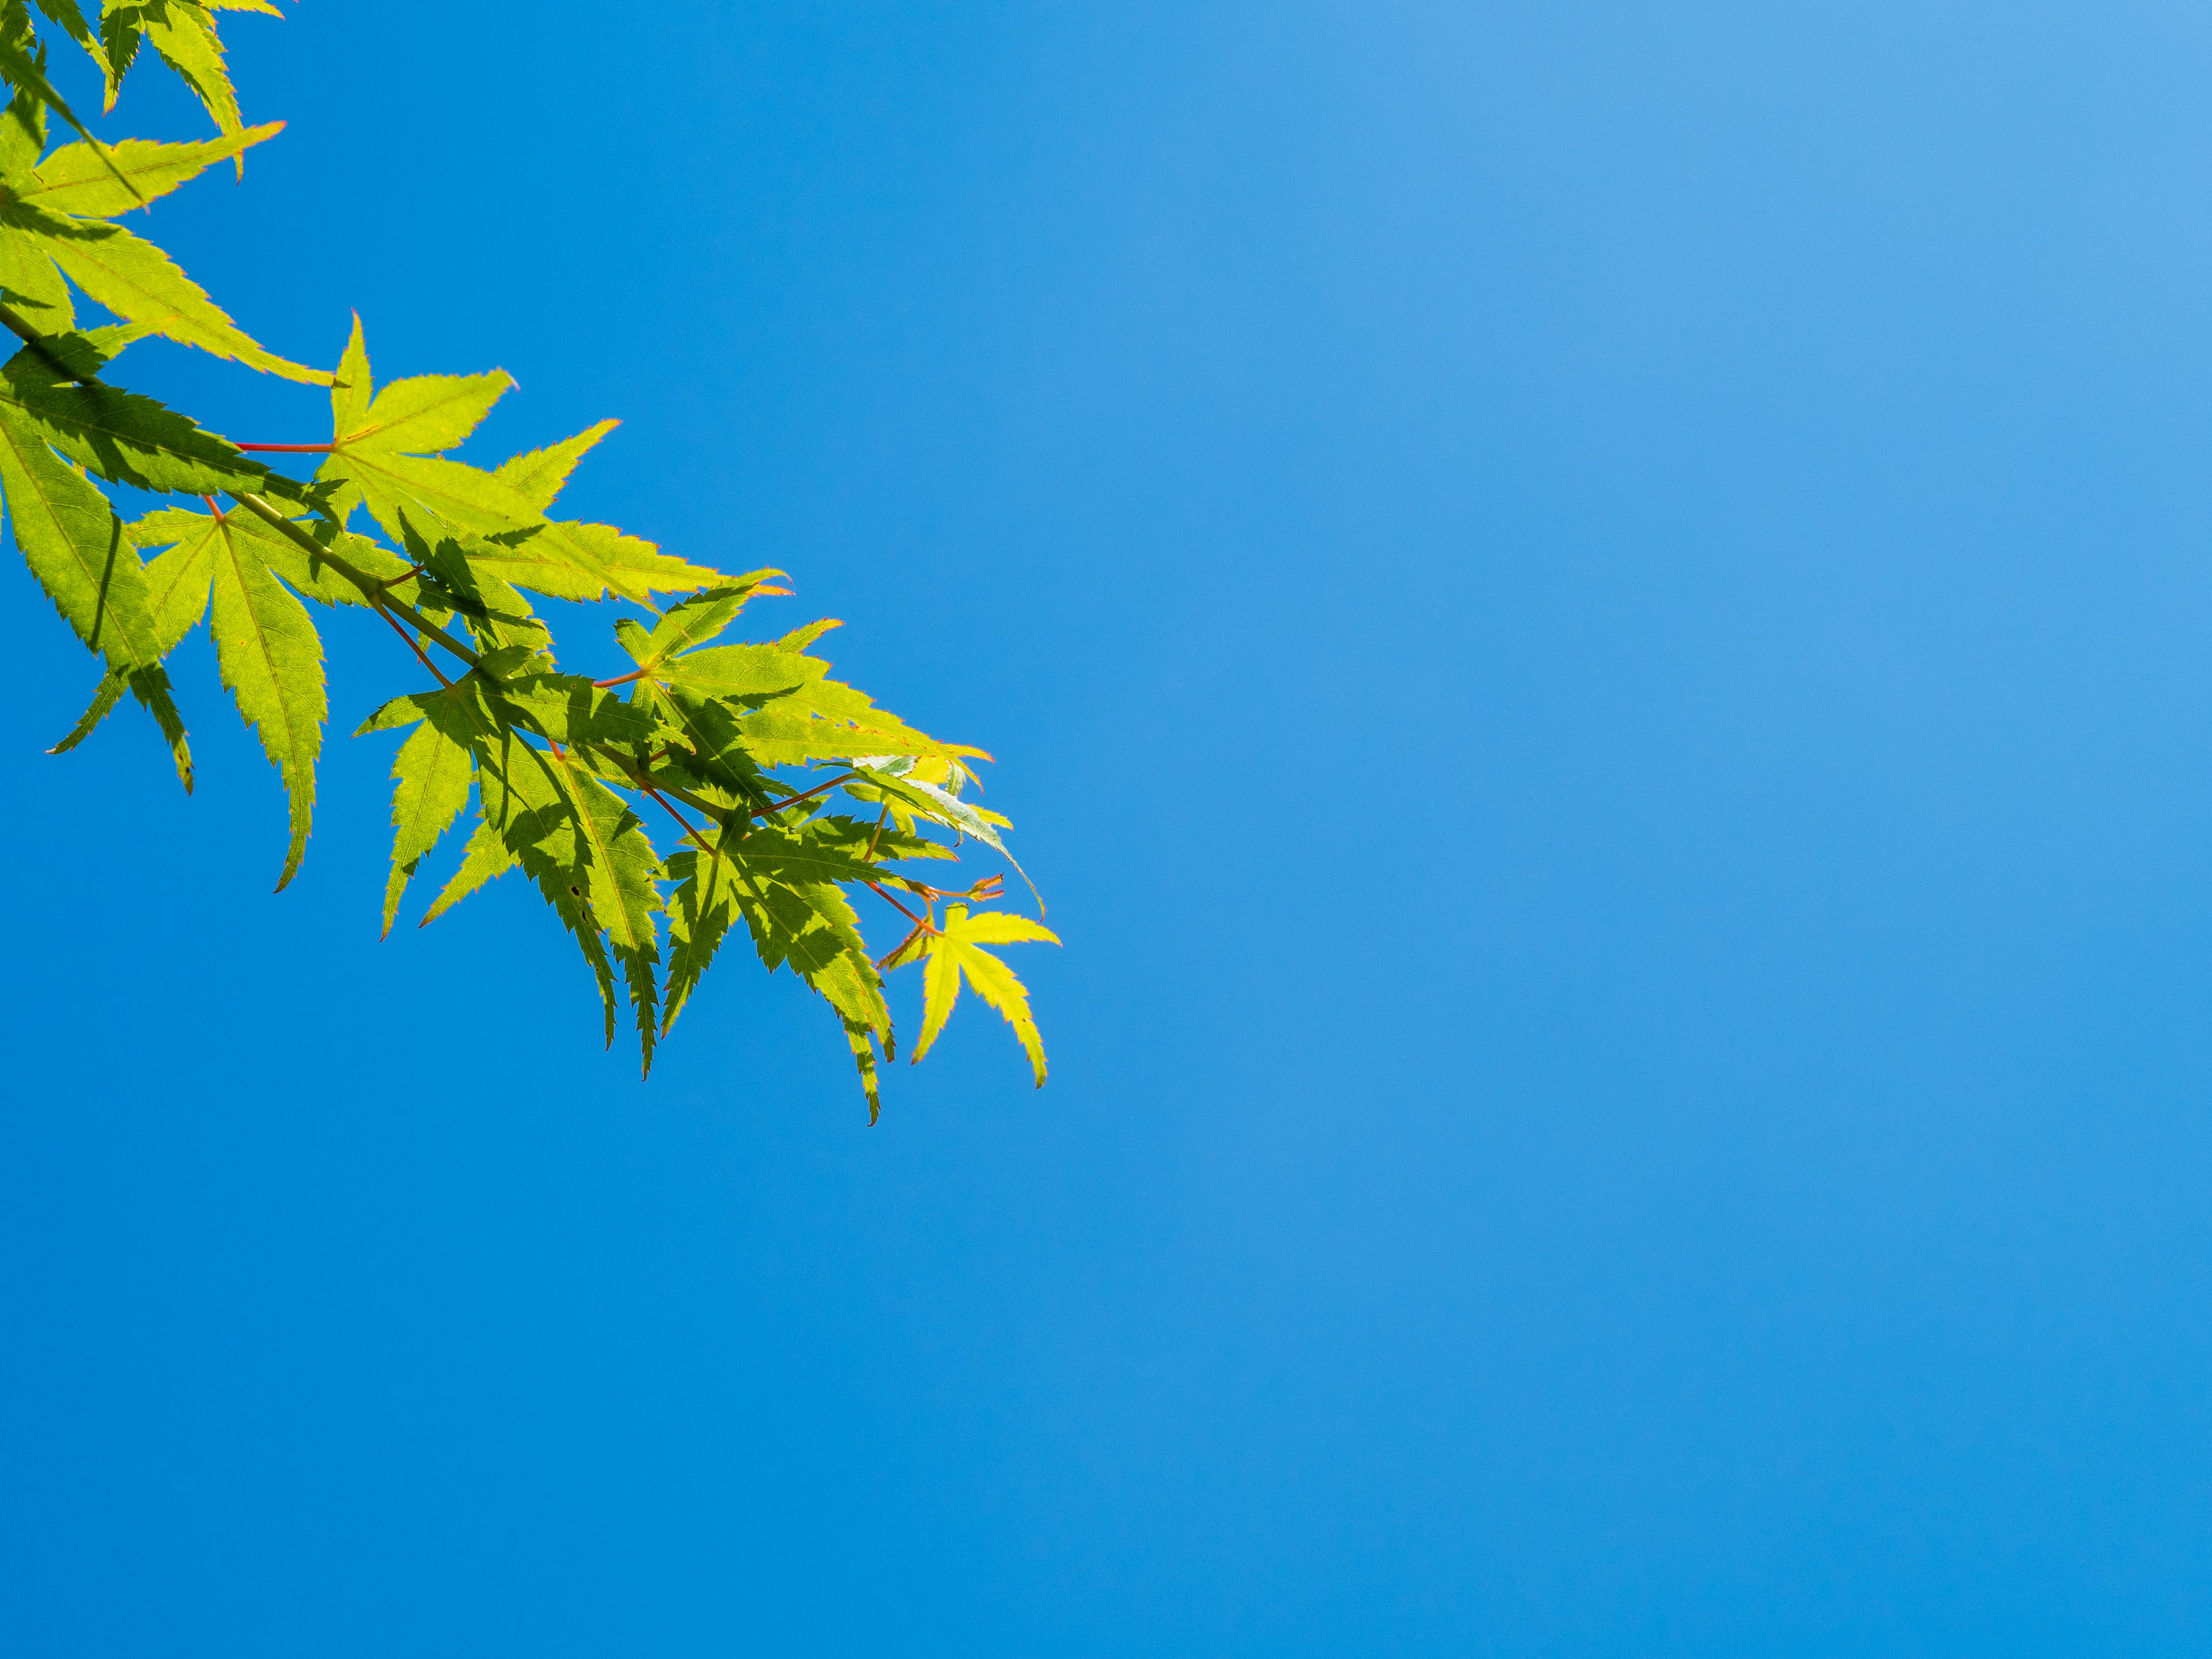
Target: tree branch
371 589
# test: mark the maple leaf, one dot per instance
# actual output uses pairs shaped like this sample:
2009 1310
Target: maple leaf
798 920
560 765
538 475
587 851
121 436
139 283
183 32
484 860
22 61
431 774
954 952
387 449
271 661
86 183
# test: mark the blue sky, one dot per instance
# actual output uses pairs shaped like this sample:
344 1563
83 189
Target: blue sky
1595 622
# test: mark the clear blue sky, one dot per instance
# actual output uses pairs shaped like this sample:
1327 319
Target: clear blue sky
1598 621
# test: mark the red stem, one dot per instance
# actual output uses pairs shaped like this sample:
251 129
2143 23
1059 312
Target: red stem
688 831
777 806
622 679
289 449
901 909
420 656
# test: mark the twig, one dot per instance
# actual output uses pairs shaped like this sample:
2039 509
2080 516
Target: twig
794 801
371 589
413 644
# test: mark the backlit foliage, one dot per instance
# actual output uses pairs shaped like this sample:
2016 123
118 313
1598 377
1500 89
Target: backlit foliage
779 796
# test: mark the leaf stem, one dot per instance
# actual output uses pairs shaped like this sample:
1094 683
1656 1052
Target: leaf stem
691 833
371 589
877 888
288 449
622 679
421 656
794 801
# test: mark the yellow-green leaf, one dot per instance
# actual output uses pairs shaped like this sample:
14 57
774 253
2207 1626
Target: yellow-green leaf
272 659
537 476
486 858
431 776
137 280
77 179
75 546
953 954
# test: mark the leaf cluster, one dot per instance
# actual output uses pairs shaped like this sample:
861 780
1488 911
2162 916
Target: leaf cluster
780 798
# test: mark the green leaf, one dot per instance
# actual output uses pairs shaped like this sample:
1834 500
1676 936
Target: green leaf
894 778
118 39
181 581
537 476
633 567
568 709
717 757
451 578
825 849
700 911
22 136
542 560
485 859
66 14
184 34
864 1055
136 281
23 68
952 954
819 719
385 445
586 850
316 578
431 774
77 354
151 687
460 498
697 620
77 179
113 684
427 414
753 673
319 575
121 436
351 387
810 928
615 854
76 547
799 638
33 285
271 661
